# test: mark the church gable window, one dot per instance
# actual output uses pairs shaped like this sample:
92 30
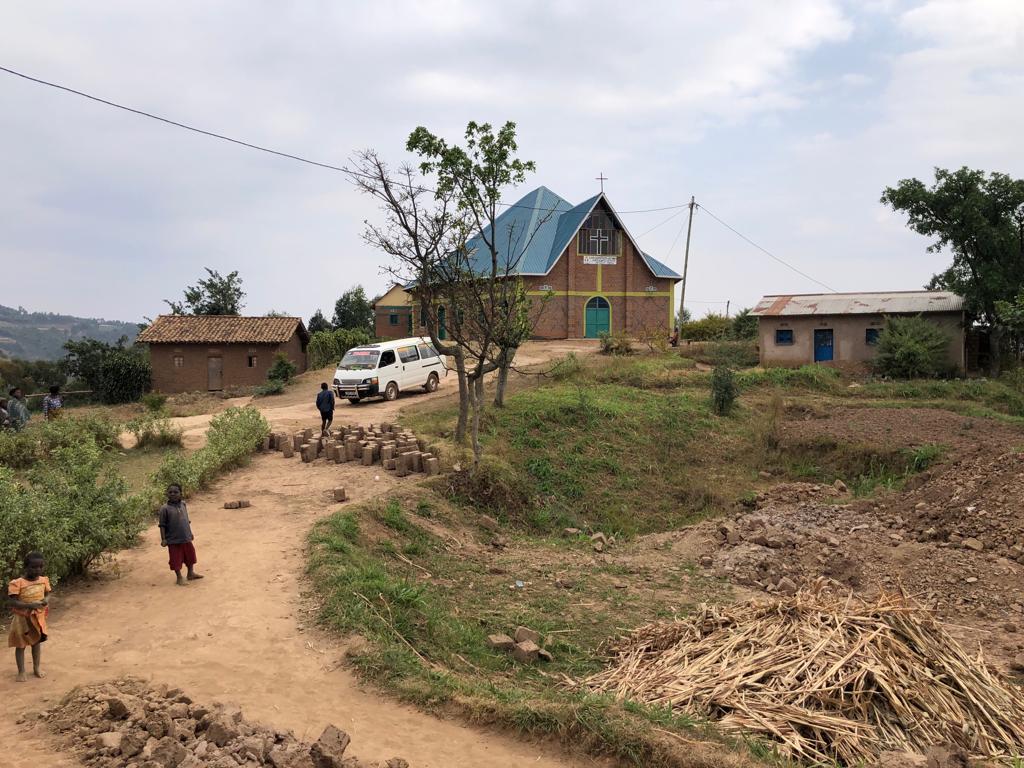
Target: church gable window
599 236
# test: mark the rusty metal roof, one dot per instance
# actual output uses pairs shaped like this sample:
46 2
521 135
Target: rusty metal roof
890 302
222 329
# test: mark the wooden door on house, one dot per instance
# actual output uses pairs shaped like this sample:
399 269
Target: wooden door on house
215 374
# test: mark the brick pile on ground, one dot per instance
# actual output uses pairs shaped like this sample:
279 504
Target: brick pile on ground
824 679
386 445
525 646
128 724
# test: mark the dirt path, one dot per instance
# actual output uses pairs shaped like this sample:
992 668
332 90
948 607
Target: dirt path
240 636
295 409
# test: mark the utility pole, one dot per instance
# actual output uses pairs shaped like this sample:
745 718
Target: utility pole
686 263
727 303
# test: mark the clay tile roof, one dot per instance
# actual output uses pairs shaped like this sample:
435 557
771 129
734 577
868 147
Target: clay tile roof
222 329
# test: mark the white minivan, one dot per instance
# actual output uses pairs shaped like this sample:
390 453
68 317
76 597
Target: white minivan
387 368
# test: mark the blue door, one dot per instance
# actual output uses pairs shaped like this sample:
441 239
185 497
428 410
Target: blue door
597 318
822 345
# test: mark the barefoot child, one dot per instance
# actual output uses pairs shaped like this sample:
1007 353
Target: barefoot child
176 535
27 598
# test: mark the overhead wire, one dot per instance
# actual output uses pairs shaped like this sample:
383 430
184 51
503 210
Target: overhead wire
764 250
250 145
352 172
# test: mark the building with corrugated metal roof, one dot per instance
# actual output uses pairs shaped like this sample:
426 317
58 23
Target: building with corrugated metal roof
584 272
843 328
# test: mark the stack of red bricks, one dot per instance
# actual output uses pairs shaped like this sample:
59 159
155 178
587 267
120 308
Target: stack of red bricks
384 444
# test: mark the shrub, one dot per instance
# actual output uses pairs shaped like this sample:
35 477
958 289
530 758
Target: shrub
154 401
72 508
328 347
910 348
615 344
566 367
653 338
809 376
154 430
125 374
744 326
272 387
38 441
232 437
723 390
736 354
282 369
707 328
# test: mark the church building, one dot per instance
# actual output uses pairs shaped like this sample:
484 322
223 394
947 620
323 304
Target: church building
583 271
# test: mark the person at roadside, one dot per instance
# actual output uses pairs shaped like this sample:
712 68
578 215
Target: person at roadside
53 404
28 599
325 404
176 535
17 410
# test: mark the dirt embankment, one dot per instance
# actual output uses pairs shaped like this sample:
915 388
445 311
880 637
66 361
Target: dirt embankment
953 538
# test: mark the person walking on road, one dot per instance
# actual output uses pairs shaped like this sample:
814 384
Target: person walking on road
325 404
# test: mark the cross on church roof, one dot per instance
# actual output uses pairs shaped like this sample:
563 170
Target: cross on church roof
602 178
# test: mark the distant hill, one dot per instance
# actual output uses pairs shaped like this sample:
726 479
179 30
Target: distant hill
41 335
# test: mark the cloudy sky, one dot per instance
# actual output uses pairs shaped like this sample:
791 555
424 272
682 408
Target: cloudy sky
785 119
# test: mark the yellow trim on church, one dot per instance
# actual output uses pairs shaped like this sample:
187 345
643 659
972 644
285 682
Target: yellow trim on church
590 294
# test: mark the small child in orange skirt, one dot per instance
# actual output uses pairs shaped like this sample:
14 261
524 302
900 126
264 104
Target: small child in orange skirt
27 598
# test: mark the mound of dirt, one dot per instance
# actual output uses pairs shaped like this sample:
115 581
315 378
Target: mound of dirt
128 724
976 503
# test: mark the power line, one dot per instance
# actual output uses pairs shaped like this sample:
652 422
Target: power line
250 145
666 221
765 250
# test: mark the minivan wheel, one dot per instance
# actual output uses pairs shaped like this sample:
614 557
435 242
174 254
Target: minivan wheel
391 391
431 385
354 400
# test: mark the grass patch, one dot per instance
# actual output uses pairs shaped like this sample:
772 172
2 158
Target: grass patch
428 634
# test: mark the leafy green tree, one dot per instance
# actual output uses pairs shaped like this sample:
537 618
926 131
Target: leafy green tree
318 323
980 220
744 326
213 295
282 369
352 310
912 347
115 373
708 328
328 347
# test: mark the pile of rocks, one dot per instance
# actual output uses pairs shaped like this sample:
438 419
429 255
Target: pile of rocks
127 724
385 444
525 646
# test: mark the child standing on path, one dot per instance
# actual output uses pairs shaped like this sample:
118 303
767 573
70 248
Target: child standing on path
325 404
176 535
27 598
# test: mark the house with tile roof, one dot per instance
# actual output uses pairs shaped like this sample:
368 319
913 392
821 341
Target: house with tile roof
583 270
217 352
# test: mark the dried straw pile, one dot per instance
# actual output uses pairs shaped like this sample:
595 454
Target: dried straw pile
824 678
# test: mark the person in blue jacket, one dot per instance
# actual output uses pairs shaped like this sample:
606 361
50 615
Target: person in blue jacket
325 404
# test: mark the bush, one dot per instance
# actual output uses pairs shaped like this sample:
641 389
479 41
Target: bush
72 509
232 437
809 376
272 387
723 390
328 347
566 367
744 326
39 440
125 374
152 430
282 369
615 344
910 348
708 328
154 401
736 354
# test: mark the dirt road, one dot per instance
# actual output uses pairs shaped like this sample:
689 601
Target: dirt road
241 635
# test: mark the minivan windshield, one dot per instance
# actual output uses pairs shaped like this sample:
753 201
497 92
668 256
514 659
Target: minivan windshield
360 360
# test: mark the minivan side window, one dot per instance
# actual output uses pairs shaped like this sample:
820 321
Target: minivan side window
408 354
427 351
387 358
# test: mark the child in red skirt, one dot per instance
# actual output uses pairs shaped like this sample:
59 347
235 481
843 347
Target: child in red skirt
176 535
28 598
